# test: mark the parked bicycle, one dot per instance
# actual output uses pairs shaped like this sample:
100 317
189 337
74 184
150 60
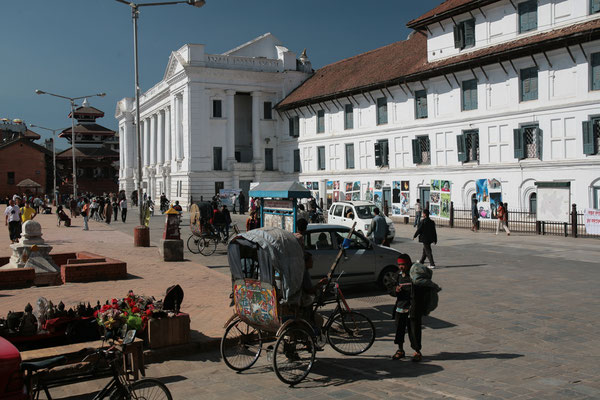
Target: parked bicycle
206 242
119 387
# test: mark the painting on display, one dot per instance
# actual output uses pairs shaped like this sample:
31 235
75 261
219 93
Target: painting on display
400 198
368 195
445 205
396 192
488 193
352 191
378 185
439 198
378 199
329 185
336 196
336 185
404 203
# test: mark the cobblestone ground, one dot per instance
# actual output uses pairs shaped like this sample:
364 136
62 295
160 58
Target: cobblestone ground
518 319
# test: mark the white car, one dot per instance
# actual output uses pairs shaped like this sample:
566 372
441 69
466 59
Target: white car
340 211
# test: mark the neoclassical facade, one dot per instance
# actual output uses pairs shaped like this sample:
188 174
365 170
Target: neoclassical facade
505 90
210 123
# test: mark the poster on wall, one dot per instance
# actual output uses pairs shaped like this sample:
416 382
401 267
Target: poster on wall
352 191
401 198
591 219
378 199
331 188
226 196
439 198
368 195
489 195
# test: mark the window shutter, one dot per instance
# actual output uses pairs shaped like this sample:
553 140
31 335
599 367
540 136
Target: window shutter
595 6
533 15
291 126
458 37
461 146
595 61
377 154
474 95
539 141
474 146
588 138
296 126
469 29
416 148
533 79
383 146
519 144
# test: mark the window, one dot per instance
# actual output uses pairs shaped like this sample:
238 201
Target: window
528 142
268 110
421 150
382 153
594 6
464 34
528 16
297 160
420 104
533 203
337 211
529 84
318 241
595 70
10 178
179 188
219 186
320 121
349 155
349 116
591 136
469 95
321 158
468 146
382 117
294 126
217 158
268 159
217 109
596 197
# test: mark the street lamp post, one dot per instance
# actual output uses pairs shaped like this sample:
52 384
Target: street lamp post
54 190
72 100
134 16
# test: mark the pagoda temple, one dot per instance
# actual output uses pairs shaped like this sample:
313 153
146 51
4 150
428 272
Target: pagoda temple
97 161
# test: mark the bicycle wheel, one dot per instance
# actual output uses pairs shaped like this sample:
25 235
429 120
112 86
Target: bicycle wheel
193 244
207 246
241 345
351 333
149 389
293 355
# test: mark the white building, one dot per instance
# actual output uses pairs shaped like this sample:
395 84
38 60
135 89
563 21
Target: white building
209 123
507 90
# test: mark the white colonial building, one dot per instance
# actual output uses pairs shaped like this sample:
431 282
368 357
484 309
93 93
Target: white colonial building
505 90
210 123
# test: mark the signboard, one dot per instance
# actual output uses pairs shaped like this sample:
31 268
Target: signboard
591 218
278 204
553 202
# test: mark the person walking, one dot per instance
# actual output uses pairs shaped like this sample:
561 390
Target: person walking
475 216
427 235
115 207
27 212
242 203
123 205
502 216
418 211
378 227
12 219
227 217
233 201
252 222
107 211
85 212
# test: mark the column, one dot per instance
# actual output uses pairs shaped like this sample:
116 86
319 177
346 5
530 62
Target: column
230 138
131 139
146 135
168 135
180 126
121 152
176 119
160 155
256 145
153 140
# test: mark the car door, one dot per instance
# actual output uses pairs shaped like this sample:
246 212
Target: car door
358 263
347 221
335 214
319 243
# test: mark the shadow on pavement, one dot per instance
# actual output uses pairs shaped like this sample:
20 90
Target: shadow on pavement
474 355
462 266
131 276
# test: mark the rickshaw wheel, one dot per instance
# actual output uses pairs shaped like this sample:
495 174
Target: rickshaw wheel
207 246
351 333
293 355
193 244
241 345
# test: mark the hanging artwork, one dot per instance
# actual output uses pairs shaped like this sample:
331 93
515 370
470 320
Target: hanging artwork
378 185
439 198
483 198
401 198
378 199
445 205
352 191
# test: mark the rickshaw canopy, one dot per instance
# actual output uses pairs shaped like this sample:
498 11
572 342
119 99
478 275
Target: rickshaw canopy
282 190
278 251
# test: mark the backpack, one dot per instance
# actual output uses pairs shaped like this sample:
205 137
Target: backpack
432 300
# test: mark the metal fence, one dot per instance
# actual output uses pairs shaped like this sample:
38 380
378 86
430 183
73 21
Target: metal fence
519 221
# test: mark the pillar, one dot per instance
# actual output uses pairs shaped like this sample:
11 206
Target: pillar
167 136
146 127
160 152
121 152
230 135
153 140
256 146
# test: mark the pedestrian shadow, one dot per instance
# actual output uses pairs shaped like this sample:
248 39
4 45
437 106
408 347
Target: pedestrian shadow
339 372
132 276
436 323
58 241
461 266
474 355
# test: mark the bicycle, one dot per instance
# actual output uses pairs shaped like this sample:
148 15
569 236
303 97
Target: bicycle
206 243
119 387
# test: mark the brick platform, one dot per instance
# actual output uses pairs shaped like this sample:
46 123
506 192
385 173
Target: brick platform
15 278
90 267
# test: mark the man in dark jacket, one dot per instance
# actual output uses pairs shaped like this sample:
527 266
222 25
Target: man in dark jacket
427 235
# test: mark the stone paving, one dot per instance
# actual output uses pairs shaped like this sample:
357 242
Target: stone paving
518 319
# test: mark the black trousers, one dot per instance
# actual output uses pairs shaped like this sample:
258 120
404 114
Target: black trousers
427 254
413 326
14 230
123 214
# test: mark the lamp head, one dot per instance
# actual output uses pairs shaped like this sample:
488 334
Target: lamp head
101 94
38 91
196 3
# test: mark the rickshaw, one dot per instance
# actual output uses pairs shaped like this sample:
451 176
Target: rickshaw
267 268
205 237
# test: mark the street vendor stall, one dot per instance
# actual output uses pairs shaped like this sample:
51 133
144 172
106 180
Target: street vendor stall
278 203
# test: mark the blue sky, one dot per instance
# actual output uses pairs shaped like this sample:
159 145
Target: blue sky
80 47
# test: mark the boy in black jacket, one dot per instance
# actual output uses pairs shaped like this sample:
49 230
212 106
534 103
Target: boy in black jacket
427 235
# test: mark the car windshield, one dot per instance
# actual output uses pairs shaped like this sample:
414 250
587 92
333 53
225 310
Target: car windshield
365 212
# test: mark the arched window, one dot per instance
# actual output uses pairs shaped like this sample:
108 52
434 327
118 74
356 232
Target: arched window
596 196
533 203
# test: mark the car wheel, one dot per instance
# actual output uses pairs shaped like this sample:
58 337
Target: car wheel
388 277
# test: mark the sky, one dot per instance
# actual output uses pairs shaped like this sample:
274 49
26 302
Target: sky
81 47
